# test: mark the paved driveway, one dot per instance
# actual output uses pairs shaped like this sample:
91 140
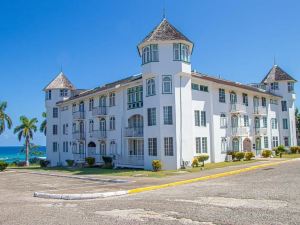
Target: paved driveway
264 196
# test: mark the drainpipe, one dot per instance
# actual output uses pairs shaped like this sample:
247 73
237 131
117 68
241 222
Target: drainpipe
181 160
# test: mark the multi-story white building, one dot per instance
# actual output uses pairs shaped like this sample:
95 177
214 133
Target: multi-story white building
168 112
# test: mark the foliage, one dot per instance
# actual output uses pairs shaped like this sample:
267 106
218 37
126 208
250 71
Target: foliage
108 162
33 150
156 165
266 153
297 116
43 126
202 157
21 163
249 155
239 155
44 163
295 149
5 120
70 162
195 162
90 161
3 165
25 130
34 160
232 153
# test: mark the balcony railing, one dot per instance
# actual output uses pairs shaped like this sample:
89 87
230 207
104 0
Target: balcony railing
131 160
100 111
77 135
99 134
260 131
79 115
239 131
134 132
237 108
260 110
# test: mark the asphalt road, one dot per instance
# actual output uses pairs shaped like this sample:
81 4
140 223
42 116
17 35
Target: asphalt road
264 196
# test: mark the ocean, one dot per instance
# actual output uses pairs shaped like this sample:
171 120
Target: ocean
13 153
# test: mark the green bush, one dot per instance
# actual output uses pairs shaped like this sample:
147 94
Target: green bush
249 155
295 149
70 162
195 162
266 153
232 153
3 165
90 161
44 163
156 165
239 155
202 158
108 162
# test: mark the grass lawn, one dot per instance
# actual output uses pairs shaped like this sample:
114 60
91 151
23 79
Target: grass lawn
290 156
131 172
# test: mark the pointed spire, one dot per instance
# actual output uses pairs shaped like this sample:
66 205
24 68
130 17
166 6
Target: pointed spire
60 82
277 74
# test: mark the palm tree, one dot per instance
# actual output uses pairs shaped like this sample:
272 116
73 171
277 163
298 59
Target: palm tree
43 127
5 120
26 130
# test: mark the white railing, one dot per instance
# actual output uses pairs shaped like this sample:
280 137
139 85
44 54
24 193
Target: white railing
77 135
134 132
100 111
239 131
259 110
79 157
131 160
237 108
261 131
98 134
79 115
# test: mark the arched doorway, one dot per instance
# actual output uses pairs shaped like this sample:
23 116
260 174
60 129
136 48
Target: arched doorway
235 145
91 149
247 145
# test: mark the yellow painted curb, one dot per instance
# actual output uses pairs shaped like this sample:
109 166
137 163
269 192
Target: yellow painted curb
213 176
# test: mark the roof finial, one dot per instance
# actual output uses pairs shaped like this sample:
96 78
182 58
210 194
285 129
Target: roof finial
164 10
274 63
61 68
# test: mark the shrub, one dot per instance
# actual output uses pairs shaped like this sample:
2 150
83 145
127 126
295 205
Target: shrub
22 163
195 162
34 160
239 155
3 165
90 161
202 158
108 162
232 154
249 155
266 153
156 165
44 163
295 149
70 162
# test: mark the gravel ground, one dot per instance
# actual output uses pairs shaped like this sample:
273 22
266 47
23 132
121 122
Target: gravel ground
264 196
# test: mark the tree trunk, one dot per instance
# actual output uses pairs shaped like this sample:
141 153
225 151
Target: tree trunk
27 152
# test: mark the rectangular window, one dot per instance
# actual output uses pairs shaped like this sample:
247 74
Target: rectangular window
222 95
198 145
91 104
65 146
265 122
274 123
176 51
55 112
135 97
151 116
246 121
197 118
283 106
290 86
198 87
74 108
181 52
64 128
223 120
168 118
204 145
48 95
154 53
152 146
273 102
150 87
286 141
168 146
55 146
285 123
195 87
274 86
245 99
167 84
63 92
223 145
275 141
266 142
263 102
54 130
112 99
203 118
150 53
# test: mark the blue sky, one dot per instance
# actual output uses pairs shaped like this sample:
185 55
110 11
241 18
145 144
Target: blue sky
95 42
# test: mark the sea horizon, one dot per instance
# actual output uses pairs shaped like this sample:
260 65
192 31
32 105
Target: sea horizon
13 153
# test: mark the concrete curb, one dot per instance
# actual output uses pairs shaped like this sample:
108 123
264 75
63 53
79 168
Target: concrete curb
79 196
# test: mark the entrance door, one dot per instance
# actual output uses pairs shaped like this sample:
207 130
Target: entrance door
247 145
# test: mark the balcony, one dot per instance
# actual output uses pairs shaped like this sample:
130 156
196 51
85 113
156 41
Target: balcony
79 115
237 108
77 135
100 111
239 131
260 110
260 131
134 132
98 134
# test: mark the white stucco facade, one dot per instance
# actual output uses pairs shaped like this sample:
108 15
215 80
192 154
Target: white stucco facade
168 112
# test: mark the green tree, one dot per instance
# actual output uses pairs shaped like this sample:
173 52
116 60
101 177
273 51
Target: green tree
297 119
25 130
43 127
5 120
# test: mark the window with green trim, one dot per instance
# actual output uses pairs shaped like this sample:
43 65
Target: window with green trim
135 97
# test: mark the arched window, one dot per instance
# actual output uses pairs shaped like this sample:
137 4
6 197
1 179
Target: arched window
233 98
91 104
102 148
91 126
223 144
135 121
81 148
146 54
112 99
112 123
255 101
113 148
256 122
235 145
223 120
234 121
258 143
167 84
150 86
102 124
102 101
185 53
81 107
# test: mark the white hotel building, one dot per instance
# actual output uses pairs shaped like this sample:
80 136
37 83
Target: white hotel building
168 112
